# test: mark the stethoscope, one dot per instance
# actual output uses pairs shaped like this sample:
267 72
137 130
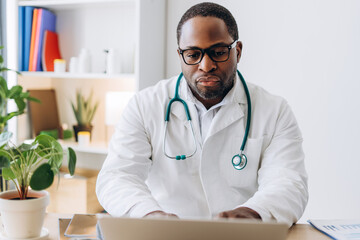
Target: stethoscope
239 161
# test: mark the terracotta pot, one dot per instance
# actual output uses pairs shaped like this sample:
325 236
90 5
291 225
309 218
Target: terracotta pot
23 218
79 128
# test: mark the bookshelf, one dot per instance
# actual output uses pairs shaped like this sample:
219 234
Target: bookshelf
135 28
78 75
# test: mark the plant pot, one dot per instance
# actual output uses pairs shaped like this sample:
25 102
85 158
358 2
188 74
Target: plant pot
23 218
79 128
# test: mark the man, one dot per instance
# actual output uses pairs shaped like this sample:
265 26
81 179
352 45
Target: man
138 179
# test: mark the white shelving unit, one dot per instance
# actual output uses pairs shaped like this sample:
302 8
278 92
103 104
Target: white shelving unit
135 28
78 75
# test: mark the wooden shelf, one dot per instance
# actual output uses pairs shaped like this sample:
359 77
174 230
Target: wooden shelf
79 75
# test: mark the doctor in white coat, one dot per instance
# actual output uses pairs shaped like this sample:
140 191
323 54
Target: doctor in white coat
137 179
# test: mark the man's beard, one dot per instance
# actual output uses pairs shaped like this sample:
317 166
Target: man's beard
223 88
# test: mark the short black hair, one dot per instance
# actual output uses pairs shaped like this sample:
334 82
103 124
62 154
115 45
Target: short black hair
208 9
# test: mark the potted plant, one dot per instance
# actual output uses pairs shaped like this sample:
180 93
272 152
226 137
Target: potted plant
31 167
15 94
84 110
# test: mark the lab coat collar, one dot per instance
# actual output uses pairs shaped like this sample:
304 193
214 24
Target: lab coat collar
228 113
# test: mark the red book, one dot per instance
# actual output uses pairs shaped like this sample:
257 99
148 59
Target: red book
50 50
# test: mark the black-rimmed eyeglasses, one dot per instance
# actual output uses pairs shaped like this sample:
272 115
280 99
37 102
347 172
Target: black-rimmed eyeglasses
193 56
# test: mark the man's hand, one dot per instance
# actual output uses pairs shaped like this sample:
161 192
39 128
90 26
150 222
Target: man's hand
241 212
160 214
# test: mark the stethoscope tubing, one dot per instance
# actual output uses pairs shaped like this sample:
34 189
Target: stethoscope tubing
248 121
239 161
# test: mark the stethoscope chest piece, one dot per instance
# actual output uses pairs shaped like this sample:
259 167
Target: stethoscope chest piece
239 161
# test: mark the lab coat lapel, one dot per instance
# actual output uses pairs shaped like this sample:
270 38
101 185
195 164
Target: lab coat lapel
231 112
227 115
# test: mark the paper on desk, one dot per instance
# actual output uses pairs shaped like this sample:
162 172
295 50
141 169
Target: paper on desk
338 229
82 226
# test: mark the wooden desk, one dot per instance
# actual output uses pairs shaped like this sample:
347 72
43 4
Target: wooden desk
296 232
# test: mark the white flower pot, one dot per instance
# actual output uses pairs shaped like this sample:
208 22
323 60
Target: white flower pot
23 218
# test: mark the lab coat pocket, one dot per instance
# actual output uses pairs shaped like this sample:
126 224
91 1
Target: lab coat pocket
247 177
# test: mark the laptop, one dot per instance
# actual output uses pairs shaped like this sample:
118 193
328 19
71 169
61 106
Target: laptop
112 228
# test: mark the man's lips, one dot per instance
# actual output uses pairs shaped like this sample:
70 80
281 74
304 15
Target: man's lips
208 81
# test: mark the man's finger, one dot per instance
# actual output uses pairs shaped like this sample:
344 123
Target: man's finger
223 215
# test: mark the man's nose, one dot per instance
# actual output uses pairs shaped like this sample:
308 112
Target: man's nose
207 64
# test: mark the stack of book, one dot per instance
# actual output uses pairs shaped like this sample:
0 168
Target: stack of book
38 40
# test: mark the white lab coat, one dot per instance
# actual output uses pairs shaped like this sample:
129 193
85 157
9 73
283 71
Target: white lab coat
137 178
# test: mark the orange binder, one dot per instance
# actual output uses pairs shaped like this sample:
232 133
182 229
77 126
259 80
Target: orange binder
37 39
32 42
50 50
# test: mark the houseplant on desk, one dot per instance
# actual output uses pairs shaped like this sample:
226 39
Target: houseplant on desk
15 94
29 166
84 111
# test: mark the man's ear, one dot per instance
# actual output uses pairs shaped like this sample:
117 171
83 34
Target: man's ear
238 50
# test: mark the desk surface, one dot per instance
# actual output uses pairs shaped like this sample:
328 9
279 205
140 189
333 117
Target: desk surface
296 232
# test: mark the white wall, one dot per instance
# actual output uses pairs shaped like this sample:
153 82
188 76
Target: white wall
308 52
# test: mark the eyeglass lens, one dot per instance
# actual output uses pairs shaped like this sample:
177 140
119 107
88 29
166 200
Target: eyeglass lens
217 54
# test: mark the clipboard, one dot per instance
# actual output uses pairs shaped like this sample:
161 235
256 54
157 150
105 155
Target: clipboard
44 115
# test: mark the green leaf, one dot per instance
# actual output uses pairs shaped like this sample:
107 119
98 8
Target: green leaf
12 114
20 103
33 99
42 177
72 160
51 149
26 147
75 112
8 174
24 95
57 158
4 161
84 109
3 84
93 112
4 138
44 142
15 92
3 69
